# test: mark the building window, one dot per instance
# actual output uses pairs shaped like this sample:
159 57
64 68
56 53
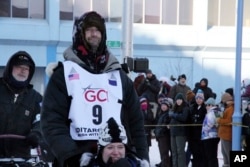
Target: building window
138 11
116 10
34 9
221 12
176 12
152 12
110 10
246 14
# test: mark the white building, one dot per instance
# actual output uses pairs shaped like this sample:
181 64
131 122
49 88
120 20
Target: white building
192 37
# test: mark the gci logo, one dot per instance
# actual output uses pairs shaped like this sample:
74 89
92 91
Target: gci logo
92 95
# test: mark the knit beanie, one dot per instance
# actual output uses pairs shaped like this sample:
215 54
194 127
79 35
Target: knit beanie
199 94
210 101
143 99
179 96
112 133
226 97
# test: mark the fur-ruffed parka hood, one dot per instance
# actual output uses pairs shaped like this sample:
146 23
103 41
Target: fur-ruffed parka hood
69 55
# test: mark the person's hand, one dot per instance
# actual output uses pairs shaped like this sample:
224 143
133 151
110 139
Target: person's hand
33 139
172 114
73 161
147 82
85 159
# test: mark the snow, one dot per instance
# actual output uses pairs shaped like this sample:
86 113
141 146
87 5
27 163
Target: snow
154 154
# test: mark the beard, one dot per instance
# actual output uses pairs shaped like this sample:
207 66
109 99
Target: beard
94 43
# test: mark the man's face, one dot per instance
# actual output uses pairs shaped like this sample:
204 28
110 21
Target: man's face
149 75
21 72
93 36
182 81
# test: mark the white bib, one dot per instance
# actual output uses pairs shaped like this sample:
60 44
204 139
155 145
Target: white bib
95 98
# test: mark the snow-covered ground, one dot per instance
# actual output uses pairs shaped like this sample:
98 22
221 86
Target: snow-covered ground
155 156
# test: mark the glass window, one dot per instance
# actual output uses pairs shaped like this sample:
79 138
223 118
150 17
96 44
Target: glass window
81 6
213 10
5 8
20 8
101 6
185 12
221 12
169 12
66 9
37 9
138 11
227 13
246 17
152 11
116 10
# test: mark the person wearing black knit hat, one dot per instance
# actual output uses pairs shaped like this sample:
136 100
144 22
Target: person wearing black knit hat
180 87
112 149
86 89
20 108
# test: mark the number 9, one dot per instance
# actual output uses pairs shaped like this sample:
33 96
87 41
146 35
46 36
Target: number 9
97 114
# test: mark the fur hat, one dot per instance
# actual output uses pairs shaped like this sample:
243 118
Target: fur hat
111 133
83 22
226 97
93 19
199 94
190 95
167 101
210 101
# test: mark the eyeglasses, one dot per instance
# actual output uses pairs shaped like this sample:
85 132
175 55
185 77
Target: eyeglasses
92 30
22 57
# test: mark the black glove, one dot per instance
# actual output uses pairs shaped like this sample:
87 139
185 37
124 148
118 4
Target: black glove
73 161
123 162
33 139
172 114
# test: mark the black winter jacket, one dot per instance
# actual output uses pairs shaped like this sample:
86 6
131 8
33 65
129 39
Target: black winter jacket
55 110
150 88
19 112
19 118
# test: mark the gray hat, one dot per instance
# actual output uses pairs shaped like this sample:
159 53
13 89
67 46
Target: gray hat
210 101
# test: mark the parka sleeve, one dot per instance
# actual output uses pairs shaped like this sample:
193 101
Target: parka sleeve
134 119
54 117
